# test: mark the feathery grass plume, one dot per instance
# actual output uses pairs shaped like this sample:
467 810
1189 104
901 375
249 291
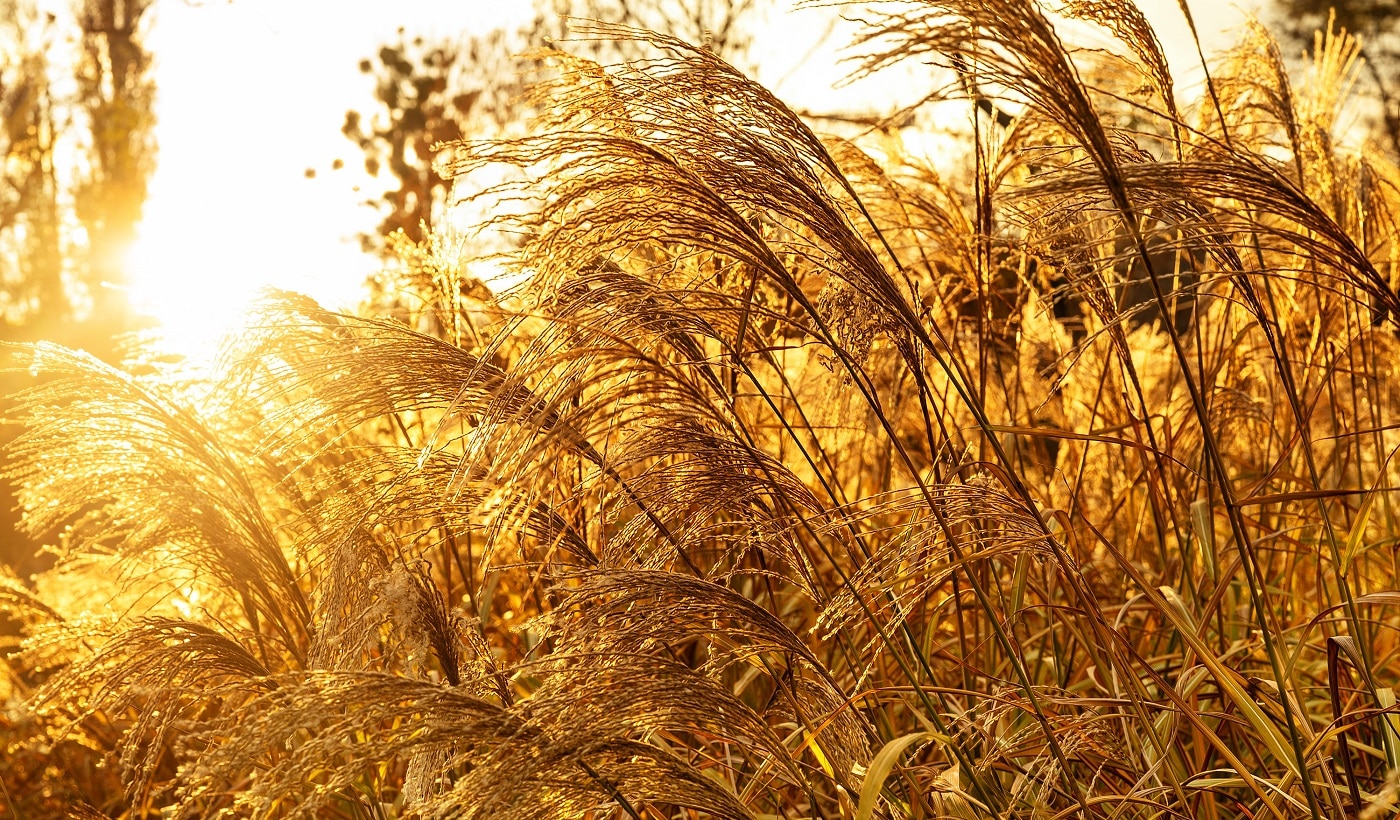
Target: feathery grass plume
912 562
168 671
559 753
666 615
123 470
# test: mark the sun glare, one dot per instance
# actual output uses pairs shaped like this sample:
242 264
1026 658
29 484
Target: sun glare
199 263
194 297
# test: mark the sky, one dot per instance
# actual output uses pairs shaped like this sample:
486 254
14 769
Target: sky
252 93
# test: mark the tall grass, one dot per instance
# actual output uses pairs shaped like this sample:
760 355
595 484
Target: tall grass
796 480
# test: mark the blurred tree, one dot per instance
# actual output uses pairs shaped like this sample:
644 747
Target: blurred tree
432 91
75 168
427 92
31 246
1377 24
116 92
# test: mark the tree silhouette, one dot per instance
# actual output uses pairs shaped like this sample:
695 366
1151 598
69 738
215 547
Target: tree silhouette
432 91
115 92
64 233
31 247
427 94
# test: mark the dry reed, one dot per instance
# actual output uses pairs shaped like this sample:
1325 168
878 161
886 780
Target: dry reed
794 481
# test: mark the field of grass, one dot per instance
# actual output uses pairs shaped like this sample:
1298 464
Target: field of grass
798 478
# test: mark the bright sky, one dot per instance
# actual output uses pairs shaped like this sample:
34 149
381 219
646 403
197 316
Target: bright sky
253 92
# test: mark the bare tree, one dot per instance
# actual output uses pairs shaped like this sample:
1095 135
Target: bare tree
432 91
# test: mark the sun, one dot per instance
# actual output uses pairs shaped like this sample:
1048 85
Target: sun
195 294
202 258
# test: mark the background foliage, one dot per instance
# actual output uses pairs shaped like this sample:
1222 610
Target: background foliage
431 91
1376 24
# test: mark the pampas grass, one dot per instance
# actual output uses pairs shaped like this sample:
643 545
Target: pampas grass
794 480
